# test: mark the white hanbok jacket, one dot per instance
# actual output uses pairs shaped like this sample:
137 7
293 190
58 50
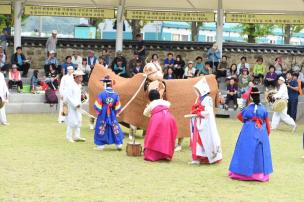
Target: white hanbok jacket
64 84
73 98
4 95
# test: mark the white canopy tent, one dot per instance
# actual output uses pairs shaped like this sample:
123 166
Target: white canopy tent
290 7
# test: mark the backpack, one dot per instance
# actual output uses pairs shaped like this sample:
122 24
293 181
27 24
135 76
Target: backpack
51 97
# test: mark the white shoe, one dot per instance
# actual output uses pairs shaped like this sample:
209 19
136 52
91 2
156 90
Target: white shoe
178 148
194 163
79 139
6 124
92 127
70 140
100 147
119 147
130 137
294 129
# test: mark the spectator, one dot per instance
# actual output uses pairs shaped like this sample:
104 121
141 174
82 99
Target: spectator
221 69
51 43
139 68
36 84
232 72
141 50
169 75
14 78
53 78
121 58
205 70
169 61
120 69
214 56
155 59
3 40
50 60
271 78
244 80
3 64
68 62
280 66
20 60
232 91
179 65
242 65
133 62
293 94
259 70
91 59
76 59
86 69
199 64
106 56
189 71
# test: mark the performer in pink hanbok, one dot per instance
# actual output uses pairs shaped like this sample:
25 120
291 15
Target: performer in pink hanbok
161 133
205 141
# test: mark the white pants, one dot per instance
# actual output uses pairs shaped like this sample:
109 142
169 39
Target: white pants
60 117
2 115
69 133
277 116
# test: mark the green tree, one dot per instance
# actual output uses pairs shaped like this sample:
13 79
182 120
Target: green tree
253 31
289 30
136 26
195 27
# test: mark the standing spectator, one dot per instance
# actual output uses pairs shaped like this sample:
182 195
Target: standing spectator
132 63
199 64
232 72
3 40
179 65
120 57
232 91
106 56
139 68
189 71
221 69
280 66
169 61
141 50
76 59
51 43
259 70
50 60
206 70
169 75
271 77
68 62
293 94
91 59
214 56
242 65
244 80
14 78
20 60
3 64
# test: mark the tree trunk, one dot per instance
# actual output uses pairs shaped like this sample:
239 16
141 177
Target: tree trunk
135 26
251 33
287 34
195 30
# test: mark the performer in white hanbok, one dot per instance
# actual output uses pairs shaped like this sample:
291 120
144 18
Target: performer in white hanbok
74 117
64 85
205 141
3 99
277 116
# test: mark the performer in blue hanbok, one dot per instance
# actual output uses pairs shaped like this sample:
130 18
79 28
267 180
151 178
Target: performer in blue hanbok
252 156
107 129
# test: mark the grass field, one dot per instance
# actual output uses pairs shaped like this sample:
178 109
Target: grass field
37 164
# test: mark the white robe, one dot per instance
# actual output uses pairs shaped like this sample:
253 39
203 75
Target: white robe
208 133
64 85
73 98
4 95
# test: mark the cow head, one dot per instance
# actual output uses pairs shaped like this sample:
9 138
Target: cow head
153 71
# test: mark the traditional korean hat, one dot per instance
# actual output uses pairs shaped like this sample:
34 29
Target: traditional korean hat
202 87
107 80
281 78
78 72
70 67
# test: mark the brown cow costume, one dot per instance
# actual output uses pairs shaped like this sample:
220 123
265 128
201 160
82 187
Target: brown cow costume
179 92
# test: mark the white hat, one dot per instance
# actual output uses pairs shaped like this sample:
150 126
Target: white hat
70 68
190 62
202 86
78 72
52 52
54 32
282 79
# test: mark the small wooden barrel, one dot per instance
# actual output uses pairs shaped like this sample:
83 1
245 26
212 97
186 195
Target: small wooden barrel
134 149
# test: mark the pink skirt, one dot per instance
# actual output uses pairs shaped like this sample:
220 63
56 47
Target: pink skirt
261 177
151 155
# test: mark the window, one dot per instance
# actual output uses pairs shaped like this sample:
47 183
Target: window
210 39
175 37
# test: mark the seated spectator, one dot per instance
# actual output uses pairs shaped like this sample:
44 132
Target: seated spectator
92 60
221 69
259 70
53 78
20 60
120 69
206 70
86 69
232 72
242 65
132 63
170 74
50 60
139 68
244 80
232 92
189 71
120 57
169 62
271 78
155 59
4 67
64 66
280 67
199 64
36 83
106 56
179 65
14 78
76 59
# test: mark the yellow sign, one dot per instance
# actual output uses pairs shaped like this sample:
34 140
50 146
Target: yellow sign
264 19
69 11
5 9
170 16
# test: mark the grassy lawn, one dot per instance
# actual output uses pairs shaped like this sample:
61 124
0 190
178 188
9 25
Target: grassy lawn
37 164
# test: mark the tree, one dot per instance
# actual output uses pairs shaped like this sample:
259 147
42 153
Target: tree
252 31
136 26
195 27
289 30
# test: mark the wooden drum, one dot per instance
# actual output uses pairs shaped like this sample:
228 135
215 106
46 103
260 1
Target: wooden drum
134 149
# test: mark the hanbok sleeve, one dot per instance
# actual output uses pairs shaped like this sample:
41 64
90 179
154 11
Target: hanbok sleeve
267 123
240 116
117 105
72 99
98 104
208 104
147 111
